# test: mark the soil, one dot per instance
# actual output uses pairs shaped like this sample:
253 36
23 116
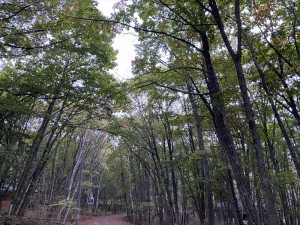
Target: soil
106 220
95 220
39 216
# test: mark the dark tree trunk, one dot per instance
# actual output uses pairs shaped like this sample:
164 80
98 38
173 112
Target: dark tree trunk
224 133
202 148
291 147
236 58
24 182
282 191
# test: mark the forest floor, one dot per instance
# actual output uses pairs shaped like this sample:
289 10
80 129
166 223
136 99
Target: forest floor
86 220
40 217
106 220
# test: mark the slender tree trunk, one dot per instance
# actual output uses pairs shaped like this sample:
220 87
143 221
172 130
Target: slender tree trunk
152 199
78 214
158 174
166 182
132 206
69 206
72 178
291 147
282 191
234 201
172 168
224 133
236 58
53 176
37 171
202 148
266 183
24 183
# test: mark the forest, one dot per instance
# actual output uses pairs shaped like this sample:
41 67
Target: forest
207 132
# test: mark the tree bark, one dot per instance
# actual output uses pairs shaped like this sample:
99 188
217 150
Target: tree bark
24 183
291 147
282 193
236 58
202 149
72 178
224 133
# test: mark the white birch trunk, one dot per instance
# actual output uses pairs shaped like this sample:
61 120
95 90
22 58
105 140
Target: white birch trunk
69 194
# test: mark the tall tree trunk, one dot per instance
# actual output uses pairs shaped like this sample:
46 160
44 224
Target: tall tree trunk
152 197
38 169
291 147
282 191
234 201
236 58
130 181
78 214
172 169
166 182
24 183
224 133
198 198
158 175
72 178
202 148
269 196
53 176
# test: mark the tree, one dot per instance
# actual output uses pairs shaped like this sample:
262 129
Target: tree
61 82
172 29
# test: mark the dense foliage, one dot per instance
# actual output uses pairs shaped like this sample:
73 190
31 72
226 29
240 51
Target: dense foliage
212 130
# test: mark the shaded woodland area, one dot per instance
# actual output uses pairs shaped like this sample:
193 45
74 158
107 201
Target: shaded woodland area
206 133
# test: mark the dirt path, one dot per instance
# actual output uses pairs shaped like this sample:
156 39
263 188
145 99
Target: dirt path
106 220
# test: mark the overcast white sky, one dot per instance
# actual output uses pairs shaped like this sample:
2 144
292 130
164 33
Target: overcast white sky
124 43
